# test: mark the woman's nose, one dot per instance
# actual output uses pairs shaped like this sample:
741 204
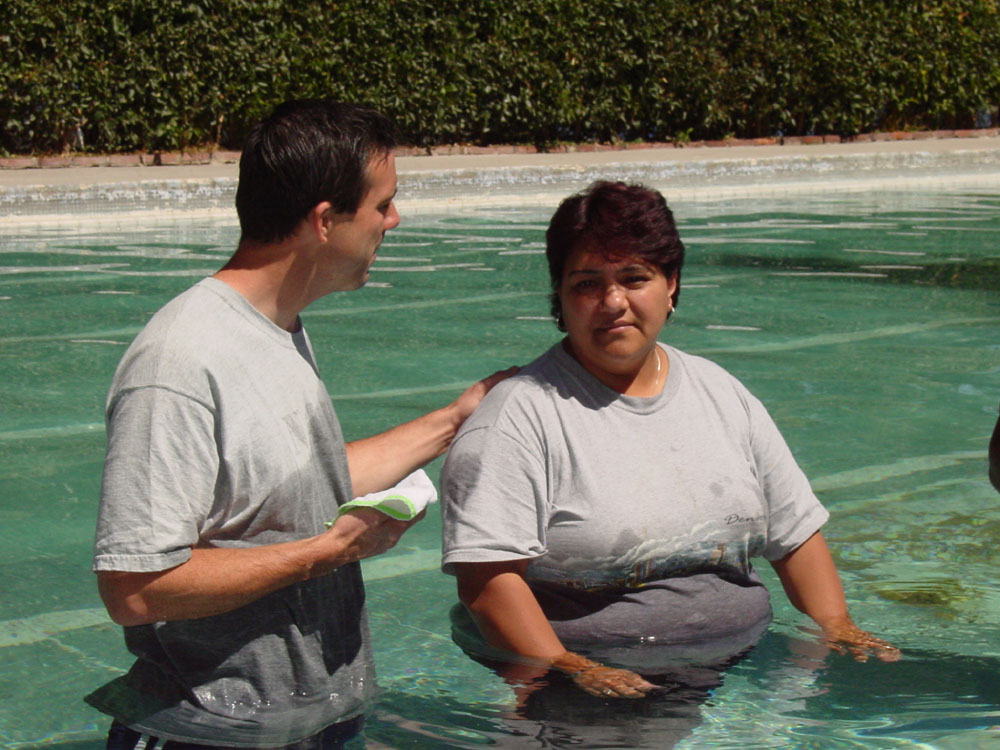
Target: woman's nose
614 297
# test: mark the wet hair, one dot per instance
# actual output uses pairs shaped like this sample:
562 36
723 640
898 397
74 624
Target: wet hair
305 152
618 220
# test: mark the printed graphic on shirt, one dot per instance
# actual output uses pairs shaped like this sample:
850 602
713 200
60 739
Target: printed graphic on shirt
723 547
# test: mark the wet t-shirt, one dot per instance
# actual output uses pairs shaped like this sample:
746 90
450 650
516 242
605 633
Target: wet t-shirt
640 516
222 434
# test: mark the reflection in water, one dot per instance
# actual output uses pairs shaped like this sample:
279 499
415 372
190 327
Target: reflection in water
551 709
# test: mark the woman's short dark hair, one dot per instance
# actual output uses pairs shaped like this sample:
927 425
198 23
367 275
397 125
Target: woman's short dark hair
305 152
618 220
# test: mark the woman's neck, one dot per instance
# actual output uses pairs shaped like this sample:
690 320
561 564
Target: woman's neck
645 381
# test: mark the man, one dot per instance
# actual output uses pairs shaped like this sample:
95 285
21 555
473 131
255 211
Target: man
225 460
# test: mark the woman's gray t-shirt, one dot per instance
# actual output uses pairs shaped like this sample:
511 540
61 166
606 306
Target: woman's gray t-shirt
639 516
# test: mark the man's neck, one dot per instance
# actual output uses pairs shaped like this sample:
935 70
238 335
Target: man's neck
267 275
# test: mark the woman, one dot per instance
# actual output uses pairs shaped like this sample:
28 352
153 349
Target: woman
610 496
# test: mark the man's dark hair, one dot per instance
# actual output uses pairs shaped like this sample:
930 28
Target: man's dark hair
619 221
305 152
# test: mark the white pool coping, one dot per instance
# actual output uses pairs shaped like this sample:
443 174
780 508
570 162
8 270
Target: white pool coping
454 182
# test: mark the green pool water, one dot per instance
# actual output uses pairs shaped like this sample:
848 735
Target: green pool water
867 323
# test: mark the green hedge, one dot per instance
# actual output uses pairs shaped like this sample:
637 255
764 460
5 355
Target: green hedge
129 75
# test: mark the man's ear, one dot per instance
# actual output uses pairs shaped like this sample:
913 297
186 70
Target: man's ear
319 220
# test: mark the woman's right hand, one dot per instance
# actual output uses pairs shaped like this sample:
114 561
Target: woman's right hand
599 680
608 682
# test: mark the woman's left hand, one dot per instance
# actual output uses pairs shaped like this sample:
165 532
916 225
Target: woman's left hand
846 637
813 586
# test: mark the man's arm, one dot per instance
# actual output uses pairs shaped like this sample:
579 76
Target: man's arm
813 586
381 461
217 580
995 456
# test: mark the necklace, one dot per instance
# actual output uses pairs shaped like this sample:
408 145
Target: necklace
656 380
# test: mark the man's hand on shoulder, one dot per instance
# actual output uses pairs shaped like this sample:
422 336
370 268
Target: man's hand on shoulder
465 404
382 460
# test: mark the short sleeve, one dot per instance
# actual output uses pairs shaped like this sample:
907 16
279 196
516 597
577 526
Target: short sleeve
160 474
493 500
794 511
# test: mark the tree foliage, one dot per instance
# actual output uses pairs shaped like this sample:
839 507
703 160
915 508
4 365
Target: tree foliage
127 75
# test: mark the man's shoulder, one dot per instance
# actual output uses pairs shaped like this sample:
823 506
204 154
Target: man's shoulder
180 339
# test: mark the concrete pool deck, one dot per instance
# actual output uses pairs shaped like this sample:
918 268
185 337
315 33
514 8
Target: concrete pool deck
509 176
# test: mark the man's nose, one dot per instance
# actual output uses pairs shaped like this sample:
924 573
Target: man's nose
391 217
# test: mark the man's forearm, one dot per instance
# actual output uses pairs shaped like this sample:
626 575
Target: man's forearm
220 579
381 461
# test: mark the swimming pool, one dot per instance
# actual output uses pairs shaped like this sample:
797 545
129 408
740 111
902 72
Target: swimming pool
867 322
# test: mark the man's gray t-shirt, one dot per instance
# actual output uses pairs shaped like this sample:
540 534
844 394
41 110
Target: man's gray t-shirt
639 515
221 434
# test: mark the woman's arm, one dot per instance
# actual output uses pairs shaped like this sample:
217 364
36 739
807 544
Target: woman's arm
813 586
510 618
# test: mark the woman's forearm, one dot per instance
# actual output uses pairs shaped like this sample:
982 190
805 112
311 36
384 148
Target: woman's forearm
813 586
810 579
506 611
510 618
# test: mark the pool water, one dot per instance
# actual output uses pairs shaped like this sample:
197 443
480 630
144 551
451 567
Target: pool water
867 323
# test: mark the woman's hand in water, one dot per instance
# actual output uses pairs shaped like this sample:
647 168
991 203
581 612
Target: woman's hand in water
846 637
601 681
607 682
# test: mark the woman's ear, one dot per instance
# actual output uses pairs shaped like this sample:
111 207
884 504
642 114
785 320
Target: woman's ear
674 285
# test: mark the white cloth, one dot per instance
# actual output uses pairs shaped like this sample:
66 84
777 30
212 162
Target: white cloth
404 502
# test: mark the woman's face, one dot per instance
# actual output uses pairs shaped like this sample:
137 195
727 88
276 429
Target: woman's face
613 311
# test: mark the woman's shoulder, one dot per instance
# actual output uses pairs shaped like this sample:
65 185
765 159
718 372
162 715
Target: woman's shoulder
517 397
713 382
701 368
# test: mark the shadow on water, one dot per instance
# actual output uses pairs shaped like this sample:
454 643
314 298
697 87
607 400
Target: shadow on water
963 690
927 693
557 716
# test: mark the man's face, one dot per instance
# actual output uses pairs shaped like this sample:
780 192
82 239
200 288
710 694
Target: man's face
354 238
